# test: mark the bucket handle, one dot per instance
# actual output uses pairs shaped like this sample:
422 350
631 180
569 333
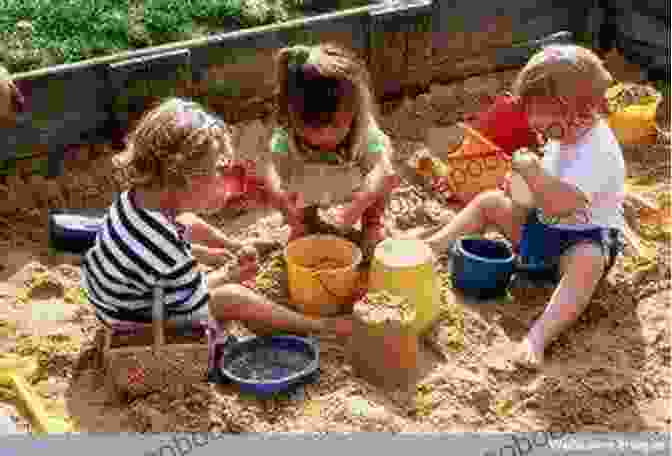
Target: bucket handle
518 266
318 276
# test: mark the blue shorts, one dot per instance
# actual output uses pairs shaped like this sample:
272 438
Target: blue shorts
542 246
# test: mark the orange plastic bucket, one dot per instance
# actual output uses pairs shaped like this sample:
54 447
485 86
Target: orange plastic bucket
322 273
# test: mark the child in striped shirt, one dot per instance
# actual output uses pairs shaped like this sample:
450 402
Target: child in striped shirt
146 239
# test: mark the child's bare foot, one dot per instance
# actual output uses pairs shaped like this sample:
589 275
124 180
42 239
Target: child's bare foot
527 355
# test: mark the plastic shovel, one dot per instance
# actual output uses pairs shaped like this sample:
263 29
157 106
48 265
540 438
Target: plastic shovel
13 371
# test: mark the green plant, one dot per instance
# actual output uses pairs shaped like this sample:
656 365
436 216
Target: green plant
663 87
38 33
8 167
40 167
69 29
166 20
584 39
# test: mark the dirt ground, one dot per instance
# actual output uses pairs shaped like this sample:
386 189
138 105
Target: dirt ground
611 372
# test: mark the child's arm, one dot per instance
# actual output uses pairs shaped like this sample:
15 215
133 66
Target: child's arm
11 99
554 196
272 164
207 235
380 181
383 177
210 255
210 244
277 196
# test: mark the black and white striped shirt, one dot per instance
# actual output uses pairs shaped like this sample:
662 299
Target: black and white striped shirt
133 250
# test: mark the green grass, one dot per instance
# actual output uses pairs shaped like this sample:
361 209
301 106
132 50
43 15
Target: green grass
663 87
53 32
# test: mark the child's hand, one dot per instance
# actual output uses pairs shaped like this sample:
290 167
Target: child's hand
441 184
247 253
293 207
354 211
525 162
363 200
505 186
212 256
296 205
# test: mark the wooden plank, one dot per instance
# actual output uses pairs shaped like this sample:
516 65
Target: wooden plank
647 29
419 69
656 8
387 55
498 59
648 56
61 108
244 67
52 122
471 35
139 82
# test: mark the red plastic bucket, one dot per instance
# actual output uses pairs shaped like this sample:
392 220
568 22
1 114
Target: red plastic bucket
505 124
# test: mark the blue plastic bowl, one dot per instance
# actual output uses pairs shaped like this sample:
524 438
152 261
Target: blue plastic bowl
482 268
283 379
74 231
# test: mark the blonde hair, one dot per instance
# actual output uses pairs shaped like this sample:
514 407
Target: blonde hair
332 62
11 100
173 142
569 73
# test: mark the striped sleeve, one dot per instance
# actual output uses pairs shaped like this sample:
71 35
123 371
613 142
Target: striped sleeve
134 249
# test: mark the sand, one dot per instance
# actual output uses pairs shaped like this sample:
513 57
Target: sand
611 372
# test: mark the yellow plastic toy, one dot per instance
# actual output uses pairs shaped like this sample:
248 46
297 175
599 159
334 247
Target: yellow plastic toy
632 123
405 267
13 372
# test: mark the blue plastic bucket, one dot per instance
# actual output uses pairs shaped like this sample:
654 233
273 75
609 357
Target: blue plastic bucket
482 268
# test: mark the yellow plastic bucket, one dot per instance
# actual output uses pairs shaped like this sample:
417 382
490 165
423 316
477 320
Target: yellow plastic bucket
405 267
322 273
635 123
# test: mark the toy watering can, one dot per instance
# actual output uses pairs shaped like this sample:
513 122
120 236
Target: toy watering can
505 124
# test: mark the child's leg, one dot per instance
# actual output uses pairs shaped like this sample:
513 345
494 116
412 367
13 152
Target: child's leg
234 302
582 267
488 208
